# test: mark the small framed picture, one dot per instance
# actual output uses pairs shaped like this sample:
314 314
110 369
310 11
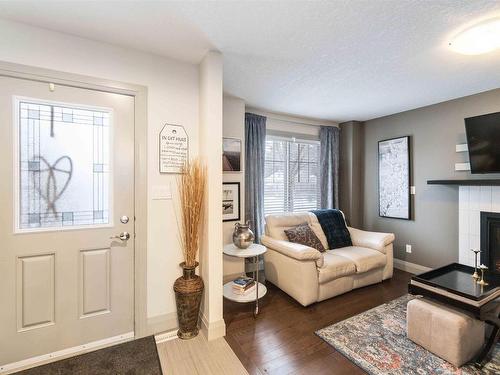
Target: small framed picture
230 201
231 155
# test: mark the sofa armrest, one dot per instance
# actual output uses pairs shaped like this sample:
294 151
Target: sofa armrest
373 240
293 250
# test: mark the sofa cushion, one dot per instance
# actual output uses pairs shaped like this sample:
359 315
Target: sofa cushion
316 227
335 266
276 224
365 259
304 235
333 223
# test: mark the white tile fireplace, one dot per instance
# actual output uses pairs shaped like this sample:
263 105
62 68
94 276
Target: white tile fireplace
472 201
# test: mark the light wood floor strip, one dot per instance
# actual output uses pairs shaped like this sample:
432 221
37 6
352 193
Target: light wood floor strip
199 357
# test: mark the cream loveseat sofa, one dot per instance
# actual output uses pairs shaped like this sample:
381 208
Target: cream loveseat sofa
311 276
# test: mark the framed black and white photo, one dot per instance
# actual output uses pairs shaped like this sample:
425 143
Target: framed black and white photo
394 178
231 155
230 201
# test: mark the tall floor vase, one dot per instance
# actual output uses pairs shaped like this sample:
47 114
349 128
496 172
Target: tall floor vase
188 290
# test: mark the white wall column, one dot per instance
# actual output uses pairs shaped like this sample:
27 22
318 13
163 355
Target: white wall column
211 114
234 127
472 201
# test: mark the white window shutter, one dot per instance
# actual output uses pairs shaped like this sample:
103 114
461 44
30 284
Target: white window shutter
291 182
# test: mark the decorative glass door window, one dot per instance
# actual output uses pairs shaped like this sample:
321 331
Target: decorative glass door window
64 165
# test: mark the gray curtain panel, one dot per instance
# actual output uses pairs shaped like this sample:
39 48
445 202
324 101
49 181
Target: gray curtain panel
255 148
329 137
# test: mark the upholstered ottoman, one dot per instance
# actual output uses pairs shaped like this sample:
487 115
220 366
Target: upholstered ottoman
448 333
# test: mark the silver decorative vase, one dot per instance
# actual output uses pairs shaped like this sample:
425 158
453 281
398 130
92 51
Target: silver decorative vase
242 235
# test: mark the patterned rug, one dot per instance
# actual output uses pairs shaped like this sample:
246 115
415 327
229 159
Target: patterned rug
376 341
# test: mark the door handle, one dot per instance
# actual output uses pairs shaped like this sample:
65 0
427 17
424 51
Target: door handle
124 236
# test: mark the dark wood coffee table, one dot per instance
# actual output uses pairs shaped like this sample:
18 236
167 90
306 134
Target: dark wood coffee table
453 285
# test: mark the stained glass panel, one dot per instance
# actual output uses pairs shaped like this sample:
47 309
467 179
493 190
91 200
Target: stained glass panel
64 158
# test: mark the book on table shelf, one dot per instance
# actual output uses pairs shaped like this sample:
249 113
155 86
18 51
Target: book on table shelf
246 291
243 285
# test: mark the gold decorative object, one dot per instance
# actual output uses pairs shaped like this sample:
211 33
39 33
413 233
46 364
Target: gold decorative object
189 287
243 237
483 268
475 275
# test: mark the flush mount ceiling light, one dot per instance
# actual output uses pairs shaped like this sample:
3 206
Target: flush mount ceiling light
478 39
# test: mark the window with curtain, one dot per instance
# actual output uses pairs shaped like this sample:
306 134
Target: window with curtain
291 175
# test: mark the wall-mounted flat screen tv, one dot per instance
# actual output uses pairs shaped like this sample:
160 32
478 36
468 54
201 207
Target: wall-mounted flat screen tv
483 141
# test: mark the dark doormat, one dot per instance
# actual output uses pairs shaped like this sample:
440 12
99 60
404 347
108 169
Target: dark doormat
133 357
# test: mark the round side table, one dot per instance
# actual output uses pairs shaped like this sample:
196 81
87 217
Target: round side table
253 251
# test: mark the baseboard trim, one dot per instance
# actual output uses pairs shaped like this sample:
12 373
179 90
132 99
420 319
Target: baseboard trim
165 327
162 323
166 336
65 353
213 330
410 267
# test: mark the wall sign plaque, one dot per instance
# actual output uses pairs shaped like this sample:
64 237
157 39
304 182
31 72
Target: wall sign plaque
174 148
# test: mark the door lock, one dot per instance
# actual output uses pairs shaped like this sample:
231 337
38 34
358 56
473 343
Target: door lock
124 236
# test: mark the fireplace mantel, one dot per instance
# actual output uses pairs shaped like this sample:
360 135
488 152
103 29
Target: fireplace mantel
470 182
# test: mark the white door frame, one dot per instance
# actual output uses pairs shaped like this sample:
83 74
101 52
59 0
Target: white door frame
139 93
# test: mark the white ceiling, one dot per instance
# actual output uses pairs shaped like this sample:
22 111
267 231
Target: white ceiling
336 60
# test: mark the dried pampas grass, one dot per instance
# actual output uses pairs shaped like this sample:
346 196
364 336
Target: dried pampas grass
191 187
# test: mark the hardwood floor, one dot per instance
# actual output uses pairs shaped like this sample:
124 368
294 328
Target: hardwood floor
281 339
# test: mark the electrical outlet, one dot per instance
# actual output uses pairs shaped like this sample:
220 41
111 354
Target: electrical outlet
408 248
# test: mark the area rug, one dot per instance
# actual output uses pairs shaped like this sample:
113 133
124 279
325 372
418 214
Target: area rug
376 341
137 357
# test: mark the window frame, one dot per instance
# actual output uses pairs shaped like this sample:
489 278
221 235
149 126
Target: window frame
291 138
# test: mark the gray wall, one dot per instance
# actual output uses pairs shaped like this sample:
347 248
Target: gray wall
351 171
434 131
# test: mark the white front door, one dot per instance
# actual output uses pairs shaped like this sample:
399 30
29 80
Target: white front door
67 188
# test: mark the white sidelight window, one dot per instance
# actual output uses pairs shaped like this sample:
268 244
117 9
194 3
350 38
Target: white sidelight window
291 176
